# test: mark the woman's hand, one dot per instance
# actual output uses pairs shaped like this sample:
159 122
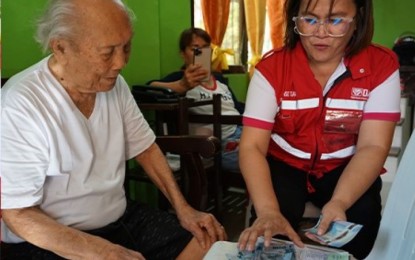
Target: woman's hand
334 210
193 75
199 223
268 225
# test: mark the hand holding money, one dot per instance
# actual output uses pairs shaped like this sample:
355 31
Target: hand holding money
338 234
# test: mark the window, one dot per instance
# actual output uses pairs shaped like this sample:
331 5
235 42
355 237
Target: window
235 36
235 32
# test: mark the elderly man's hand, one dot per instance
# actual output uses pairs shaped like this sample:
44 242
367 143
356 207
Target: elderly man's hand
199 223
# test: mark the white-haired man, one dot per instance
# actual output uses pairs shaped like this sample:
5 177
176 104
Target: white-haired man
69 123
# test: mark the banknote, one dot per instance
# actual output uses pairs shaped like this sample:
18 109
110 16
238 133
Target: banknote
338 234
286 250
278 250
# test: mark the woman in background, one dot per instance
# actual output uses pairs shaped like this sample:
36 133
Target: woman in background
191 81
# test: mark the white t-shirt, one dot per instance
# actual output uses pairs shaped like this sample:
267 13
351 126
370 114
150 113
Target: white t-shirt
54 157
199 93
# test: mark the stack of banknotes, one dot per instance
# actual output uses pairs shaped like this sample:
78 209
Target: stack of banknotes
338 234
286 250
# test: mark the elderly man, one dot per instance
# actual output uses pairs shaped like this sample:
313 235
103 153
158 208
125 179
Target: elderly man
69 123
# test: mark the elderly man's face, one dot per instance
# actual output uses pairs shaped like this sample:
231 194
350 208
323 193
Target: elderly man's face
96 57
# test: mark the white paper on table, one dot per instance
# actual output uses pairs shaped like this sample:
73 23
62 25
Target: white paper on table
220 249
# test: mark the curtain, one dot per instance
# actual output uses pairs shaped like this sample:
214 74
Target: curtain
276 22
255 27
215 18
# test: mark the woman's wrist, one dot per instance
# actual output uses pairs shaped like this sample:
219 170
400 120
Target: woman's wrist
184 85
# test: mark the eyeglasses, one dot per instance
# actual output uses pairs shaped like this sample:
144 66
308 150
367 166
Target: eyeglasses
334 26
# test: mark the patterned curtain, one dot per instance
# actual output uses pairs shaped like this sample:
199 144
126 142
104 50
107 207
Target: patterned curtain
215 18
255 26
277 22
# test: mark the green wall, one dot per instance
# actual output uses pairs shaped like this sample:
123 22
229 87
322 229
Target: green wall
393 17
157 27
155 48
18 48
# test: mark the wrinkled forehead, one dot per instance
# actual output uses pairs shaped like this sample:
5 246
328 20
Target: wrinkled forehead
102 18
92 12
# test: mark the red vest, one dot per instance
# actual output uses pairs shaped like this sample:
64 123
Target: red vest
313 132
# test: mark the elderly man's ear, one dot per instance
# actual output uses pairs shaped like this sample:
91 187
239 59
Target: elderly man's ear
57 47
60 49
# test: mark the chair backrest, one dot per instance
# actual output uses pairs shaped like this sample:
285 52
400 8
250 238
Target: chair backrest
194 178
222 179
396 237
192 172
217 119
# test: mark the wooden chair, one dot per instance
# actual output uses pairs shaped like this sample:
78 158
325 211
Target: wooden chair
222 179
172 118
192 176
176 117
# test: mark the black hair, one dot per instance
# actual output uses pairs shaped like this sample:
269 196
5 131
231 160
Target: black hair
361 38
186 37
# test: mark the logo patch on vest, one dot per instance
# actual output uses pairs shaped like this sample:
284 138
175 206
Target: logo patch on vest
360 93
289 93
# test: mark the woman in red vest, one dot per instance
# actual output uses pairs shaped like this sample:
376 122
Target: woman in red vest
318 124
